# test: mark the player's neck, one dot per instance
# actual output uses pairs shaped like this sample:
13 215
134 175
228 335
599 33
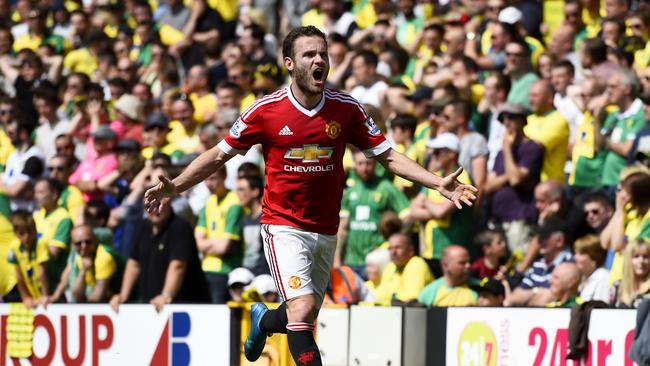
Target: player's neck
307 100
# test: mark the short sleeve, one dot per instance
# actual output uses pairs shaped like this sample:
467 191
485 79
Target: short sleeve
245 132
364 133
233 227
105 266
531 158
201 225
62 235
135 249
181 240
478 147
42 253
345 204
397 200
33 167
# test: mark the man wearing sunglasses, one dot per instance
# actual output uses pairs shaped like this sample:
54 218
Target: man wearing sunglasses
94 270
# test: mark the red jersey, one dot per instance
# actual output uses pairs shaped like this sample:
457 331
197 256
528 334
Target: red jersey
303 151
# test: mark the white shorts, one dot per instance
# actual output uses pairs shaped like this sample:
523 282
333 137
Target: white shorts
299 260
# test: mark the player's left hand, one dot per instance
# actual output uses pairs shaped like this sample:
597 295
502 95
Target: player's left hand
456 191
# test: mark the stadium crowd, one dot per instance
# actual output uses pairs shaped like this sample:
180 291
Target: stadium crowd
545 104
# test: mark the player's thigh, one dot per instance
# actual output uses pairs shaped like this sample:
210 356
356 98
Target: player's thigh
323 261
289 252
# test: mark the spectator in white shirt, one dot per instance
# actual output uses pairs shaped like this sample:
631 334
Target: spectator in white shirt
590 257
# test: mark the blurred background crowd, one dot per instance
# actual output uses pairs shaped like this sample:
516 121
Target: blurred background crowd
545 104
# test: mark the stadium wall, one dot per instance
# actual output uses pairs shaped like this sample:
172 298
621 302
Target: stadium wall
212 334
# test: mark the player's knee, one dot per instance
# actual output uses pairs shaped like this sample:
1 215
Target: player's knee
301 309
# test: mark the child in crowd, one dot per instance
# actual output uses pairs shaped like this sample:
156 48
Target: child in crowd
493 244
29 260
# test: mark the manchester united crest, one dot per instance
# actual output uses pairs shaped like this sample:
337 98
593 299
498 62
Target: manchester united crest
333 129
294 282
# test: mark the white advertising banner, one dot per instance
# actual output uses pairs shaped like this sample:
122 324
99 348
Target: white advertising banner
533 337
75 335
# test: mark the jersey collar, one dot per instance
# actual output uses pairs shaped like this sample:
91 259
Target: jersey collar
308 112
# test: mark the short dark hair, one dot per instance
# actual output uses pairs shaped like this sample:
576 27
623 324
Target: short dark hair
101 214
368 57
598 197
405 121
290 39
596 49
462 106
255 182
225 84
52 183
503 82
566 64
470 65
48 94
249 169
257 32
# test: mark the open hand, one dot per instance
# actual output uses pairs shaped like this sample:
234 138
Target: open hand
156 197
456 191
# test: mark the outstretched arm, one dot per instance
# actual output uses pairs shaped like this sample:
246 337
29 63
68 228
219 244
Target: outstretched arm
448 186
204 165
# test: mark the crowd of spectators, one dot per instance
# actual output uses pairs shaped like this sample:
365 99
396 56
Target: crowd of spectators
545 104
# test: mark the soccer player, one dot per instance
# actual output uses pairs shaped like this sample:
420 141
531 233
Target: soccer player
303 129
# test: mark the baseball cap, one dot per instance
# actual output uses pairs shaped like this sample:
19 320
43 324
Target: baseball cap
510 15
421 93
512 109
240 275
128 145
130 105
489 285
104 133
440 103
264 284
551 225
445 140
156 119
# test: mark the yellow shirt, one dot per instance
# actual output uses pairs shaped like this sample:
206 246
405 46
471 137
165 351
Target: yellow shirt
552 131
633 225
27 41
405 285
226 8
204 107
246 102
53 229
81 60
105 266
222 218
72 200
313 17
6 149
179 137
7 271
29 264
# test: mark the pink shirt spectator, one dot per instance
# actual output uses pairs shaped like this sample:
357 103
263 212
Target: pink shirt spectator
93 168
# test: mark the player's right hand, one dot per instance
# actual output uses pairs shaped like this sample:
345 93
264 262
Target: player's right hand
160 195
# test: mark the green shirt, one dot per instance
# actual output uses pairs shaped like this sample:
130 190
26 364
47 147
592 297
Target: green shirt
623 127
363 204
222 218
519 89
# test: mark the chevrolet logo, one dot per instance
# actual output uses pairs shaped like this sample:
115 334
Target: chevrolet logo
309 153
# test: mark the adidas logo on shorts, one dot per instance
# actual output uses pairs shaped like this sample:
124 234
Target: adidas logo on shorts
285 131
